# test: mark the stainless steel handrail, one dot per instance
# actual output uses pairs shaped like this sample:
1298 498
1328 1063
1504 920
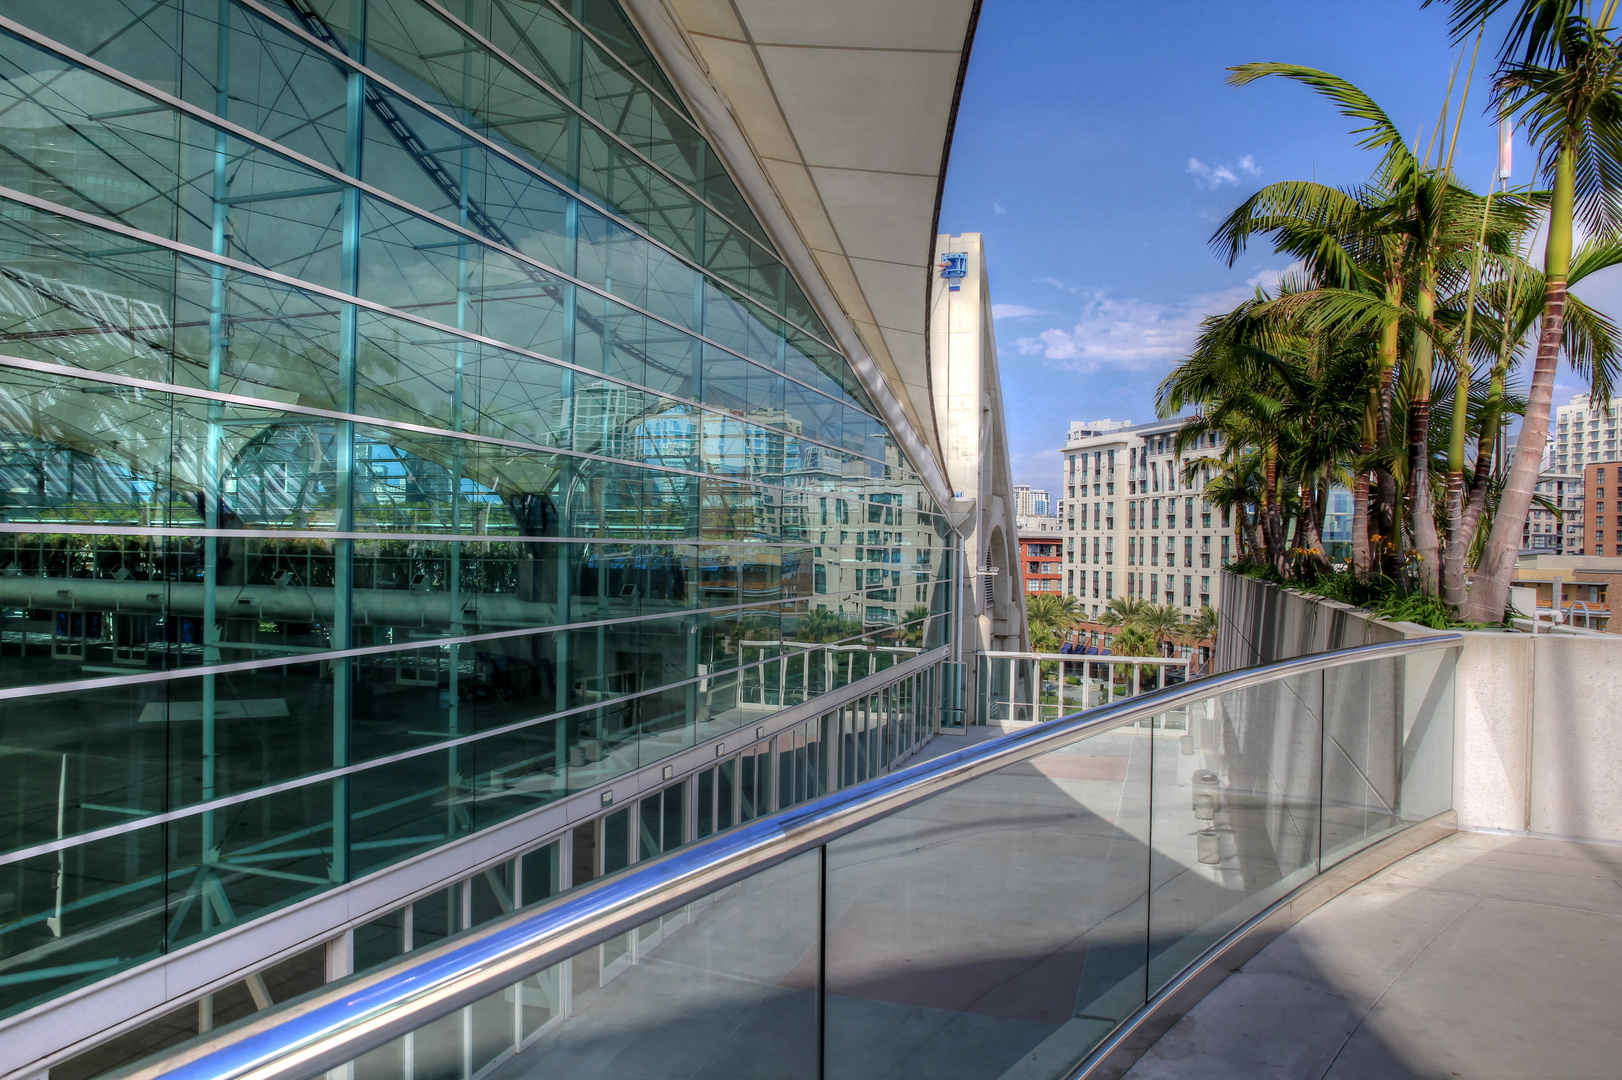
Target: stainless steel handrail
337 1024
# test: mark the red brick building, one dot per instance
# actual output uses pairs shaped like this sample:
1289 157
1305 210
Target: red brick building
1039 558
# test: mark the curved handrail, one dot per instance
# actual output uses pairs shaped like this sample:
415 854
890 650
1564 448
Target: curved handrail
338 1023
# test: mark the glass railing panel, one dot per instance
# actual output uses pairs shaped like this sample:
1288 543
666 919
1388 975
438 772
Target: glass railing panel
1426 776
991 927
994 926
717 987
1235 794
1361 756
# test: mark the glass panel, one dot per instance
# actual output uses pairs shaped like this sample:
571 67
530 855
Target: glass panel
1362 755
1235 823
919 982
715 989
540 873
407 524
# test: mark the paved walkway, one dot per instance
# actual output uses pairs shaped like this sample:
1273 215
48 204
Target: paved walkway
1480 957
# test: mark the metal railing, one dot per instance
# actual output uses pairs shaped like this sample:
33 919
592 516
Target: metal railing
1021 688
1104 854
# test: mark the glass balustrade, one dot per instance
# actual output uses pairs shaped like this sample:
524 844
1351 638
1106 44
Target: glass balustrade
1000 925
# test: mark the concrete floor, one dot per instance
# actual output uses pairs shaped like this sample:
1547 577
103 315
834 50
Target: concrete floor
1480 957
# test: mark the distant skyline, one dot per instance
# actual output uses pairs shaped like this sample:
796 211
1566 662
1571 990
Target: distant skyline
1098 146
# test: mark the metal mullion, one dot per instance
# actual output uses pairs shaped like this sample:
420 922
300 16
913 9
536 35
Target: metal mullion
184 813
253 5
254 138
306 287
535 80
63 371
630 72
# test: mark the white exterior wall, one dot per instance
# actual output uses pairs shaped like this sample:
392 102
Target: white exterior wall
967 395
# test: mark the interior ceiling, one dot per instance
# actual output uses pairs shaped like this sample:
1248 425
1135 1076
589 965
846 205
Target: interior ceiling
848 107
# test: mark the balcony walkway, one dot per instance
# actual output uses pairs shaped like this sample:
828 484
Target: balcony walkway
1481 956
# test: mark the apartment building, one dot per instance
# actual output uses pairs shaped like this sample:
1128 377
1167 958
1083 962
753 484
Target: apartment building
1554 525
1135 521
1041 556
1592 536
1584 434
1032 502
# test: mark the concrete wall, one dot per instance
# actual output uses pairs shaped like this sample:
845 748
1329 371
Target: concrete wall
1538 718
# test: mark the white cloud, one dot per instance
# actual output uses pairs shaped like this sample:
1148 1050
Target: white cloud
997 210
1012 311
1210 177
1131 334
1057 284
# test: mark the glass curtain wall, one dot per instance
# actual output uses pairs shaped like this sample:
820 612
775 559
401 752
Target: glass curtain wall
404 421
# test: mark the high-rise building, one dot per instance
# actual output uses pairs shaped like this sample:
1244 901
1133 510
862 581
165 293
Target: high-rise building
1136 523
1032 502
451 452
1584 433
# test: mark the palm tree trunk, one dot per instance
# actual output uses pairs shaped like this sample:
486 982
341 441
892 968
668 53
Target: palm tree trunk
1308 528
1360 525
1360 489
1457 539
1386 514
1486 446
1489 593
1272 520
1422 510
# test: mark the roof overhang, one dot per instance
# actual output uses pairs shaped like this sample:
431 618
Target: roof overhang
836 119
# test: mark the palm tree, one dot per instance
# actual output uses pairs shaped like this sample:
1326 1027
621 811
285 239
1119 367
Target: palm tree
1134 640
1162 620
1201 627
1122 611
1047 615
1567 84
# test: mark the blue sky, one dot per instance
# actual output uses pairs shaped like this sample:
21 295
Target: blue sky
1098 146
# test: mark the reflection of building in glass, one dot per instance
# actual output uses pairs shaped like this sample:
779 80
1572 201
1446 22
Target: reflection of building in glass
1337 526
396 451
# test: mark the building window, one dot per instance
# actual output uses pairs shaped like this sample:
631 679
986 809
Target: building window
1095 584
1188 590
1109 585
1188 551
1225 551
1154 551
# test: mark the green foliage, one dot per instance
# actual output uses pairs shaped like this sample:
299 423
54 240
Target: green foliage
823 625
1134 640
1385 598
1047 616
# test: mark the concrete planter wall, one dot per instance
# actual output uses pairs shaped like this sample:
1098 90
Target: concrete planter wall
1538 730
